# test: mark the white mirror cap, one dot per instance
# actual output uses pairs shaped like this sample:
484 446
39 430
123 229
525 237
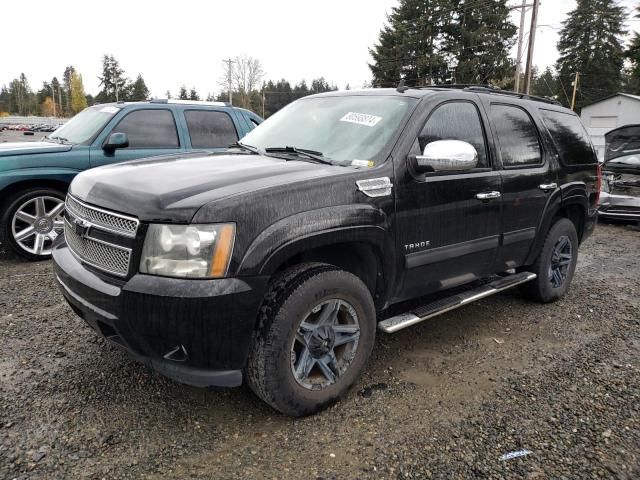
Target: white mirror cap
449 156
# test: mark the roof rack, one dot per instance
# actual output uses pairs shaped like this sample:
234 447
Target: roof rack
497 90
188 102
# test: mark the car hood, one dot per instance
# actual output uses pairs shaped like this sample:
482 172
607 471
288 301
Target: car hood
29 148
173 188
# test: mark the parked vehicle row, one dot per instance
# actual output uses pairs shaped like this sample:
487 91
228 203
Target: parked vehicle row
275 261
34 176
36 127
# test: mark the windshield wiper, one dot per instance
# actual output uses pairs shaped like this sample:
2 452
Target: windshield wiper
302 152
244 146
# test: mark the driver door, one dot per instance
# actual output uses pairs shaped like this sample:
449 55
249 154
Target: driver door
150 132
448 234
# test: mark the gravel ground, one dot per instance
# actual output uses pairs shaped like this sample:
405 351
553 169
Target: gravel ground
444 399
14 136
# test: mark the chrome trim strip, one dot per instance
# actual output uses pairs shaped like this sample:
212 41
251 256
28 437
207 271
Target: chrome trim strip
87 304
109 228
375 187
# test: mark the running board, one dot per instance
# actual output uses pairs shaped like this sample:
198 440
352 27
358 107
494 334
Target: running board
430 310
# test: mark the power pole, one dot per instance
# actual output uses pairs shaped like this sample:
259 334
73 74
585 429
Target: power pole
575 90
523 11
532 41
229 62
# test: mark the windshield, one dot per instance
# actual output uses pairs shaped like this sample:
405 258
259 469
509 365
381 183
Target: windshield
341 128
85 125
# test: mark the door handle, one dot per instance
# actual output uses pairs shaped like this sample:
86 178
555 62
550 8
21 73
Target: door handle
548 186
488 195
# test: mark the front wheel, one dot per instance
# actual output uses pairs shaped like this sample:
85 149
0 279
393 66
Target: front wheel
31 221
315 334
555 264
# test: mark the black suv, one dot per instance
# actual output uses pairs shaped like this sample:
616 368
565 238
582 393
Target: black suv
278 260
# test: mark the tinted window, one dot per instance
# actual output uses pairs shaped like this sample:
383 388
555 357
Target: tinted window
569 137
456 121
149 129
517 135
210 129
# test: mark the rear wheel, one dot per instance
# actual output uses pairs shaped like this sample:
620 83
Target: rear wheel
315 335
555 264
31 221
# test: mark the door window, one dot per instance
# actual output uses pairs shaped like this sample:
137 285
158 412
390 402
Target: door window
210 129
517 135
455 121
150 128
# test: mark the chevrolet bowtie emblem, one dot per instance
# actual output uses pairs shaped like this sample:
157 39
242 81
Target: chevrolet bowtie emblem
81 227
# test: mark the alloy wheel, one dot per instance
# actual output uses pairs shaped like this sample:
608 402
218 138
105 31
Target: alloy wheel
37 223
325 344
561 258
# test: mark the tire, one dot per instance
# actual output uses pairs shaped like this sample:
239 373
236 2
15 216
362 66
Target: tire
309 293
545 287
36 246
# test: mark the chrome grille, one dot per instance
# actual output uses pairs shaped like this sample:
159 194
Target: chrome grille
113 222
108 257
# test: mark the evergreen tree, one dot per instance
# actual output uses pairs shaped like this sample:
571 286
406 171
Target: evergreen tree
66 93
546 84
139 90
112 81
408 46
591 44
193 94
478 40
633 54
183 93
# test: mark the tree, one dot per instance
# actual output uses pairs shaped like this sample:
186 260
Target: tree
478 40
139 90
66 80
546 84
247 72
591 44
78 96
183 93
439 41
168 94
47 108
633 54
193 94
112 81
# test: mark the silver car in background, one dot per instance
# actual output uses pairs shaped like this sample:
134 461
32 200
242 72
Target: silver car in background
620 197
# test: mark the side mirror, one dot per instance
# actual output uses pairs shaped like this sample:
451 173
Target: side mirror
116 140
446 156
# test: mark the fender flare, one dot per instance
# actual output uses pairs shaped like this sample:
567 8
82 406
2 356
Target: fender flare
303 231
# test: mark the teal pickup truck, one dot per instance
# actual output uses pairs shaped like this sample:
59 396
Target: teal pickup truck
34 176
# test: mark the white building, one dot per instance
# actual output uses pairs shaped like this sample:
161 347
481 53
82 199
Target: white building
609 113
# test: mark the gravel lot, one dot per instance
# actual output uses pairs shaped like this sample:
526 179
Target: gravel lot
13 136
444 399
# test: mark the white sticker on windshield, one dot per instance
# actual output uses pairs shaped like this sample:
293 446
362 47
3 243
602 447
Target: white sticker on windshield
361 119
109 109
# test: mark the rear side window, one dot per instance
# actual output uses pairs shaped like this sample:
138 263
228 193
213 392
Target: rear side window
569 137
517 135
456 121
210 129
149 129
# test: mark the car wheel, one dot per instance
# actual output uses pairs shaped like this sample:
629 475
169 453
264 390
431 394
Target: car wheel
31 221
555 264
314 337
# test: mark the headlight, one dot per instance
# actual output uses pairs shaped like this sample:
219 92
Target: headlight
196 251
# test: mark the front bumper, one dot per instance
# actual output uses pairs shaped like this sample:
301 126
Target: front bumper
619 207
197 332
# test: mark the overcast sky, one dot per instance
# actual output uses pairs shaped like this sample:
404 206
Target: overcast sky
174 43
